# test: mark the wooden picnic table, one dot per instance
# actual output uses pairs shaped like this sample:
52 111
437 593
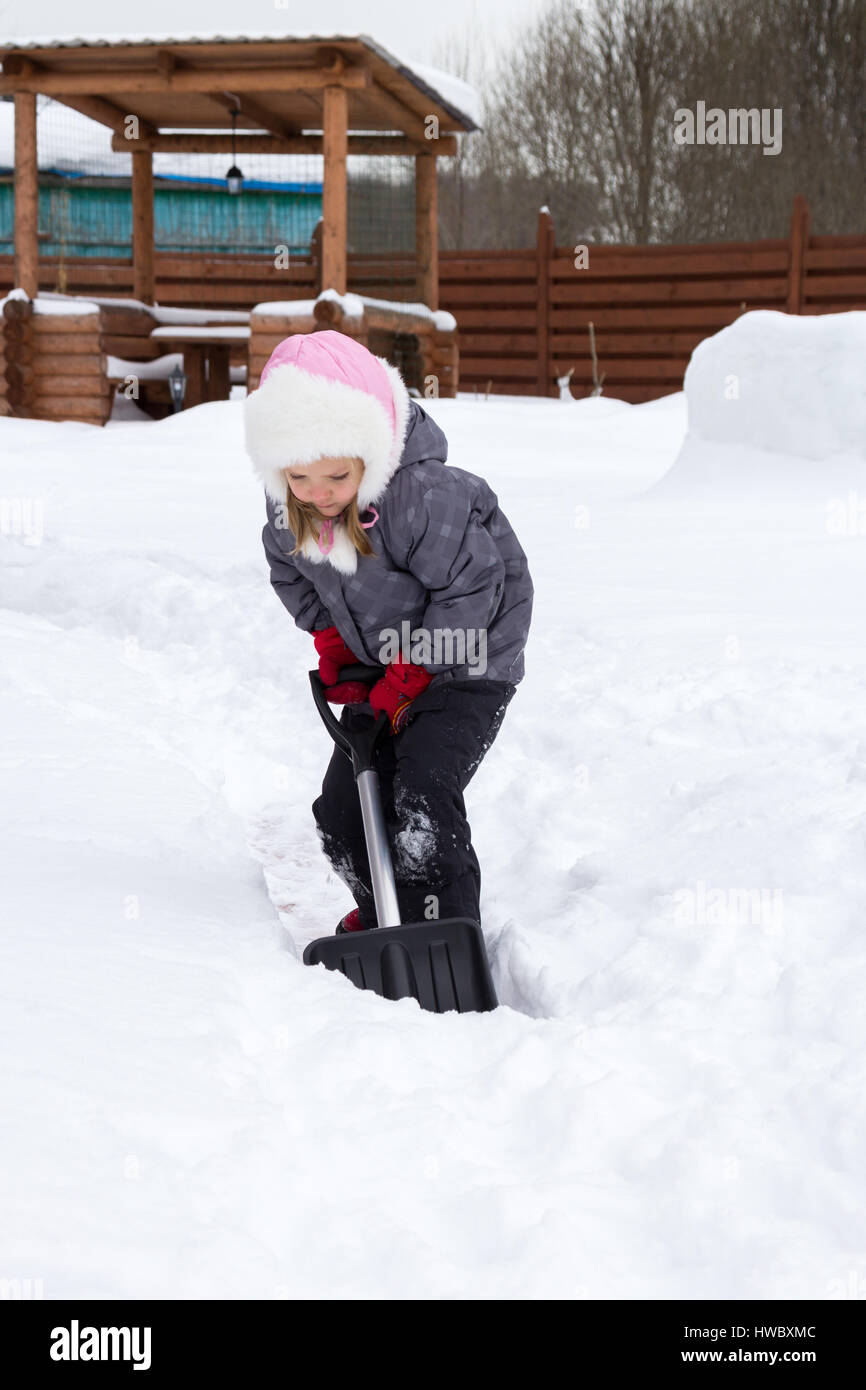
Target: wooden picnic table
205 358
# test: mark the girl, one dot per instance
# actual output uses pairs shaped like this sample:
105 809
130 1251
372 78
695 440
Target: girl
388 556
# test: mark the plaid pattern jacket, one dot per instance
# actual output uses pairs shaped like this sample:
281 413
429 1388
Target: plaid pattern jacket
446 560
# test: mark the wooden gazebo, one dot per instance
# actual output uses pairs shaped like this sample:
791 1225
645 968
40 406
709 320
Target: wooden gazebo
331 97
297 95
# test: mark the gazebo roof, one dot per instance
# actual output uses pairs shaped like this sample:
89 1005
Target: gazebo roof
173 81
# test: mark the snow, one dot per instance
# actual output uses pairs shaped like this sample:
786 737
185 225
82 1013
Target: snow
353 308
750 384
352 304
49 303
118 368
456 91
196 333
668 1102
277 307
440 317
167 314
160 313
232 322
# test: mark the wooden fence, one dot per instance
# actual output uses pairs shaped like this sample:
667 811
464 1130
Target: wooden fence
524 315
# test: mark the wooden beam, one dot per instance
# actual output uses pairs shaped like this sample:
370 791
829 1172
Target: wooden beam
166 61
106 113
221 143
404 119
155 83
331 61
258 112
427 229
26 195
143 278
334 189
98 110
92 106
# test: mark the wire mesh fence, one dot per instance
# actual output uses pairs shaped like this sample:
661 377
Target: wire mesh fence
85 201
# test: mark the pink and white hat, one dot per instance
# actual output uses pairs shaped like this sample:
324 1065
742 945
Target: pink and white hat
325 395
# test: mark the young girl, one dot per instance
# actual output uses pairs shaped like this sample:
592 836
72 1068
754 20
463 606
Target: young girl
388 556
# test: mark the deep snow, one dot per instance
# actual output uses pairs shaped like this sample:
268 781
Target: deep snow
672 831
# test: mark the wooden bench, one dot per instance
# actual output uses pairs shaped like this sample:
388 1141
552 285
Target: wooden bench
421 343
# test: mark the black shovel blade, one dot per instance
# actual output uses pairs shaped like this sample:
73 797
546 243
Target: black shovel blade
443 965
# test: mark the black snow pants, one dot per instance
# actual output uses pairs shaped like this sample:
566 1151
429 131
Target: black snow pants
423 772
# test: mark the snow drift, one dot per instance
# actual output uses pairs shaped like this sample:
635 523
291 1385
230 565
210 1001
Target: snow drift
791 384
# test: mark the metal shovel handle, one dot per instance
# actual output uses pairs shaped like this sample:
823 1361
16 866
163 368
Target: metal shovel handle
359 747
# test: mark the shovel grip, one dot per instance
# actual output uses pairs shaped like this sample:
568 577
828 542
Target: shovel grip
358 747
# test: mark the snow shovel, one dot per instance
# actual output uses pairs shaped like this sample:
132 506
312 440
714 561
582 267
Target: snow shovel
443 965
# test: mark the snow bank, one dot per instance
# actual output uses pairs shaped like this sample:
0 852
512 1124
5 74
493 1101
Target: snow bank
776 420
786 383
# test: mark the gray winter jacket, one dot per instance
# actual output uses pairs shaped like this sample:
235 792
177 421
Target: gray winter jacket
447 565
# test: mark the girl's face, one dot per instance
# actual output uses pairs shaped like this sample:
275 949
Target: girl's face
329 484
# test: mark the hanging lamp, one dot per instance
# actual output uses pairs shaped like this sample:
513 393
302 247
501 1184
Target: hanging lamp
234 177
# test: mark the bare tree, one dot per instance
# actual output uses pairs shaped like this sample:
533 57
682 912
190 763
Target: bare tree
580 113
531 148
635 55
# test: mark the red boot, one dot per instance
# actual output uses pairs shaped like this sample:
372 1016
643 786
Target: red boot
351 922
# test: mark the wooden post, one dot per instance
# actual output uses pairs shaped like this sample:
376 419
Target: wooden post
194 355
316 257
143 282
544 254
336 129
218 372
427 229
799 240
26 195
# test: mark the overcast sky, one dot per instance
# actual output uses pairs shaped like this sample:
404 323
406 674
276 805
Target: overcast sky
410 28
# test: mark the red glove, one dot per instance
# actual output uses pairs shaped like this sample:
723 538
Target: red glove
394 693
347 693
333 653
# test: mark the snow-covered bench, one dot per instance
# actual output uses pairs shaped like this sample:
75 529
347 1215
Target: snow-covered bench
422 342
136 360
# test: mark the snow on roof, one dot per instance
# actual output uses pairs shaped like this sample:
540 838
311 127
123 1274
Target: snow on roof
453 93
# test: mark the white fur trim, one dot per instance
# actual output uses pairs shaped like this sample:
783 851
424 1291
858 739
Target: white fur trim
342 555
296 417
373 483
